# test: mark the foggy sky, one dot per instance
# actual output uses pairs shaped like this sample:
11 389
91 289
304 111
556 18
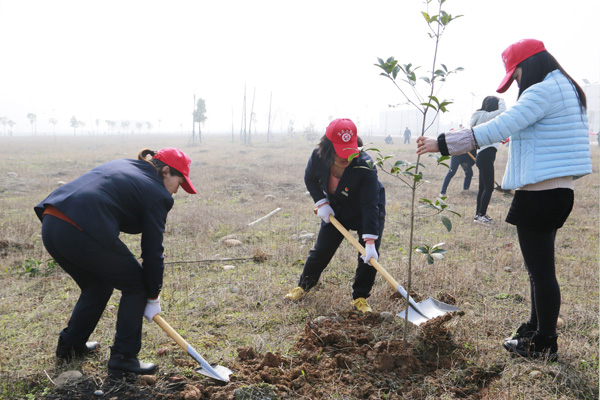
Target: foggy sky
145 60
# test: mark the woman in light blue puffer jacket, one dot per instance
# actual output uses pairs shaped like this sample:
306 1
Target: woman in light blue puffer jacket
549 148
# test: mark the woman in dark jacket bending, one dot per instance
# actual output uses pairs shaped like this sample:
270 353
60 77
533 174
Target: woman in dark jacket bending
81 222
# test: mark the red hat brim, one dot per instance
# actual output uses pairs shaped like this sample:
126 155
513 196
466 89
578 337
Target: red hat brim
187 186
507 81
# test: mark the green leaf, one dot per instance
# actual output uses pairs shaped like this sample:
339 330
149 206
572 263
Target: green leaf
446 221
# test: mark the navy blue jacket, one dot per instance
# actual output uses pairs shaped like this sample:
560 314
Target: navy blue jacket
119 196
359 200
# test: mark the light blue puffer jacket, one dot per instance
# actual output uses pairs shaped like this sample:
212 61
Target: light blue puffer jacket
549 135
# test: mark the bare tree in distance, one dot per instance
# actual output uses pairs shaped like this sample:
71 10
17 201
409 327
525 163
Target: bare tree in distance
111 125
53 121
4 122
252 117
243 127
33 121
74 125
269 119
125 125
199 117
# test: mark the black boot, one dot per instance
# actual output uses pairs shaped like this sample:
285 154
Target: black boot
536 346
67 352
526 330
120 364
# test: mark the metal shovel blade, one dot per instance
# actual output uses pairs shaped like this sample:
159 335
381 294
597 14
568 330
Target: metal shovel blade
431 307
216 372
425 310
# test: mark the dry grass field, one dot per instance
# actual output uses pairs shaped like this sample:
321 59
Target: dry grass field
237 317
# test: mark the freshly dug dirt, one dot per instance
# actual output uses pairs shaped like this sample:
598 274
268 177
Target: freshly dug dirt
335 357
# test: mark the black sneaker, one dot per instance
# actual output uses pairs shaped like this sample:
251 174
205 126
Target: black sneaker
536 346
67 352
526 330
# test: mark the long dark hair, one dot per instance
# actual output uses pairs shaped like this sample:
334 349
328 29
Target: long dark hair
326 151
490 103
534 69
148 155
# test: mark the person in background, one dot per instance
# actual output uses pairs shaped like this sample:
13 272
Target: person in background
549 148
407 134
465 161
350 191
491 107
81 223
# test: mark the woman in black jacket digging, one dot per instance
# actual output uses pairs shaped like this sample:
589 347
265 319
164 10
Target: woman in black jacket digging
350 191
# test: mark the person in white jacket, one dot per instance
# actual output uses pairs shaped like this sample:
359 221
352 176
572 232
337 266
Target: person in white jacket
549 148
491 107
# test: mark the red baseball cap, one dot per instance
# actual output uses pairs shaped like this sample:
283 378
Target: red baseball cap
513 55
342 133
177 159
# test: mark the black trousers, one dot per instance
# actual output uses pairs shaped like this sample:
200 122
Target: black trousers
538 215
98 270
485 164
328 241
537 248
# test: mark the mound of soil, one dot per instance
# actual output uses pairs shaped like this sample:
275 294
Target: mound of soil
334 356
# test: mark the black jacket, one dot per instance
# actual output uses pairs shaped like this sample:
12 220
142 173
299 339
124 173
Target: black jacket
119 196
359 200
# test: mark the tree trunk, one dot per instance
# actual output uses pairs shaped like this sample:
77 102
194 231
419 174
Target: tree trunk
194 121
251 116
269 122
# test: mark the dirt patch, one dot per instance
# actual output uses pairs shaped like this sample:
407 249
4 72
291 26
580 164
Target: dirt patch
334 357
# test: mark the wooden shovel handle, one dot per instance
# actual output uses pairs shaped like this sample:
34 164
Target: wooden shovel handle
362 251
171 332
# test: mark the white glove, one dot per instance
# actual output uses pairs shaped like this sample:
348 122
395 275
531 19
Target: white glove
371 253
324 211
152 308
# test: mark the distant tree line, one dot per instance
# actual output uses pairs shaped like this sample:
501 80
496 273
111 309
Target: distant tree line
75 123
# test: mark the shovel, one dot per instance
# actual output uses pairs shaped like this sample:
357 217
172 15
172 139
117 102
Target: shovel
497 187
217 372
417 312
